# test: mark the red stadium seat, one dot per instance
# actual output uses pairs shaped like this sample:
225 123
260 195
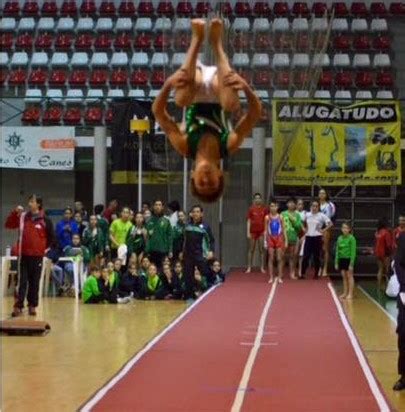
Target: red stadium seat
184 9
88 8
262 78
242 9
107 9
397 8
263 42
11 9
225 8
282 42
146 9
37 77
340 9
300 8
58 78
378 9
382 43
359 9
69 8
126 8
24 42
302 42
162 42
341 42
63 41
165 8
3 77
103 41
119 77
343 80
44 41
364 80
202 8
108 118
49 8
302 78
78 78
246 75
281 9
384 79
319 9
31 115
17 77
30 8
139 78
72 116
143 42
182 41
282 79
241 41
262 9
325 79
362 42
83 41
52 115
98 77
6 41
122 41
94 115
158 77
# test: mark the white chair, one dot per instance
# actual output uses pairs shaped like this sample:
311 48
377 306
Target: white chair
384 94
182 24
46 24
361 61
301 94
300 60
341 61
104 24
160 59
379 25
19 59
80 59
143 24
261 24
281 24
322 94
115 94
123 24
8 24
163 24
178 59
99 59
281 94
240 60
382 61
359 25
94 96
280 61
241 24
363 95
85 24
300 24
343 95
137 94
39 59
33 96
263 94
74 96
140 60
153 93
54 95
261 60
65 24
319 24
59 59
4 60
321 59
119 59
340 25
26 24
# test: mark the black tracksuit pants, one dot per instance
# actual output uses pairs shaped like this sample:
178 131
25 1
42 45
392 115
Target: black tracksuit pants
28 281
401 337
190 263
312 249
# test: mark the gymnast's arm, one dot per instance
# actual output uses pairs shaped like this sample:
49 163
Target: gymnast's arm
249 119
177 138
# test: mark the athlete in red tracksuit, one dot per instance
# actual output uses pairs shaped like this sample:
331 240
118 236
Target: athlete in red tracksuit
36 235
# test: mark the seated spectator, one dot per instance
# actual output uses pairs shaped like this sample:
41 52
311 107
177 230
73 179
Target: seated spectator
80 223
118 266
91 292
154 284
108 283
166 261
171 286
200 282
119 230
113 273
216 272
132 284
145 263
178 271
66 228
136 239
94 239
178 235
56 270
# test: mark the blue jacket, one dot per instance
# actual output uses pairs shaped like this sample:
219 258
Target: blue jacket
65 236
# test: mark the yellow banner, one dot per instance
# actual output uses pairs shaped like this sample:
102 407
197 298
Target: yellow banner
318 142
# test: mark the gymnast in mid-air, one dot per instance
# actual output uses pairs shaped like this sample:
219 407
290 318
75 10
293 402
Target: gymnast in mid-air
207 93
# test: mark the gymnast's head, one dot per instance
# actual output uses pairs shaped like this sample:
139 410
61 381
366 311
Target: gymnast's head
207 181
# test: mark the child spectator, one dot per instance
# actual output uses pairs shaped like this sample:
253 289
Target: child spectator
80 224
154 284
275 240
118 266
66 228
145 263
108 283
166 261
200 282
178 271
91 292
346 249
119 230
171 287
56 270
94 239
178 235
216 272
383 250
136 239
131 283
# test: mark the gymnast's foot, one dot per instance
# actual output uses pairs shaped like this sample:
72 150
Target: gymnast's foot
198 29
216 30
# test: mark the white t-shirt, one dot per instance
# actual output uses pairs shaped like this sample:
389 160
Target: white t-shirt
315 222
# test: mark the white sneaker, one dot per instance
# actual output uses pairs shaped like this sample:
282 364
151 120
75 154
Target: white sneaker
127 299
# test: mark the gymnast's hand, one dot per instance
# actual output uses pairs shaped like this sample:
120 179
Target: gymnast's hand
235 81
179 79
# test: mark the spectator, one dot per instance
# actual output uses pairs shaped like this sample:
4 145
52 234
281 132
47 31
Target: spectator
66 228
110 213
136 239
119 230
108 284
147 214
399 229
216 272
91 292
118 266
200 280
36 236
328 208
199 246
131 216
95 240
255 229
171 287
79 208
178 235
56 270
174 208
145 207
154 284
301 210
131 283
383 250
178 271
103 223
160 236
145 263
80 224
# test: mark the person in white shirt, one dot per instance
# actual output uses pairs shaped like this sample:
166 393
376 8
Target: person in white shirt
328 208
317 224
301 210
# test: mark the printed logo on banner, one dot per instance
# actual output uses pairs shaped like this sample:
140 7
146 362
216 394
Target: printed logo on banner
14 143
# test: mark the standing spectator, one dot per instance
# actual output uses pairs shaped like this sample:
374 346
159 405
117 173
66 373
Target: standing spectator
383 250
136 239
160 235
255 229
317 224
145 207
36 235
80 224
119 230
199 246
400 271
66 228
110 213
94 239
328 208
178 235
79 208
301 210
147 214
102 222
174 208
399 229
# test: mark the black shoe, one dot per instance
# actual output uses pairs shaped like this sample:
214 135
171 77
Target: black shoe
16 312
399 385
32 311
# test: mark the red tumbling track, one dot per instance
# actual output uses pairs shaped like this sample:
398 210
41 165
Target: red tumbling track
306 363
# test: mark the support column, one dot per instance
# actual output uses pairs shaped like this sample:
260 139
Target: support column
100 166
259 161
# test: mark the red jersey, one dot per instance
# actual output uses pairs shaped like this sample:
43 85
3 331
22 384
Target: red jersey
383 243
256 215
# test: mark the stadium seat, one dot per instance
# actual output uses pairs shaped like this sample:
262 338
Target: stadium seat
164 8
300 8
94 96
300 24
6 41
37 77
262 9
343 96
361 61
184 8
8 24
43 41
46 24
103 42
17 77
182 41
98 78
262 78
80 59
224 8
69 8
11 9
104 24
119 59
65 24
162 41
108 116
322 94
26 24
63 41
59 59
321 59
88 8
52 115
260 25
99 59
39 59
240 60
280 61
126 8
379 25
139 78
302 78
160 59
146 8
93 115
182 24
344 80
320 24
397 8
341 61
384 79
30 8
359 25
119 77
340 9
281 94
378 9
58 78
301 94
72 116
381 61
300 60
107 8
163 24
384 94
143 42
241 24
242 8
83 41
143 24
122 41
281 24
325 79
178 59
262 42
158 77
140 60
137 93
202 8
24 42
54 95
363 95
340 25
19 59
115 94
319 9
361 42
153 93
341 42
78 78
85 24
123 24
31 115
359 9
364 80
260 60
74 96
241 41
281 8
33 96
